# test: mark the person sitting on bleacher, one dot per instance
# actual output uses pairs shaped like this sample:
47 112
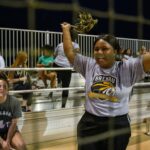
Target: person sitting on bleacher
46 60
144 51
10 111
127 54
2 62
21 80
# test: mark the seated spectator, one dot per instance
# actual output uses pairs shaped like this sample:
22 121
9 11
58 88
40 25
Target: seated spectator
46 60
10 111
143 50
2 62
119 56
127 54
21 80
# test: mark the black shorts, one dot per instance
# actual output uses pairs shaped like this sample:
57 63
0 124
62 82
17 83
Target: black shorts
3 135
96 132
25 86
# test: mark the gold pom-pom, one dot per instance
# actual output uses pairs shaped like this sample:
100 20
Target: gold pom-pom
85 22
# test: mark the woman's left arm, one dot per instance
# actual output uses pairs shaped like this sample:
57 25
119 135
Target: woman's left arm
146 62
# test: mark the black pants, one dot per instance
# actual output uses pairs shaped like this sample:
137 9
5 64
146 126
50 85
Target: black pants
64 77
96 133
25 96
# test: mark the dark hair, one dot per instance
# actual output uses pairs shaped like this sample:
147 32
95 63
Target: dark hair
48 48
112 40
3 77
125 51
74 35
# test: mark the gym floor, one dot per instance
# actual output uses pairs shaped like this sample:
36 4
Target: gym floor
139 141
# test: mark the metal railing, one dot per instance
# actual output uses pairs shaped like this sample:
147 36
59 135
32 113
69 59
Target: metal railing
14 40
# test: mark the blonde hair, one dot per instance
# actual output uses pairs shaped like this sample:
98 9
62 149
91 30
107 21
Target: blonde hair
20 60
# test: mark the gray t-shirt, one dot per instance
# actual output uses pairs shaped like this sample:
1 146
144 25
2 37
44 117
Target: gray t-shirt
9 110
108 91
61 59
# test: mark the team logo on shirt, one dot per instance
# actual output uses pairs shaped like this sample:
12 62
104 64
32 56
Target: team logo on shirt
103 88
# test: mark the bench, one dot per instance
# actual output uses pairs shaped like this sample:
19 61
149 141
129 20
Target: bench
56 124
147 123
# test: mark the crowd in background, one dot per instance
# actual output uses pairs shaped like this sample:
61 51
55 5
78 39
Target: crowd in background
49 57
52 57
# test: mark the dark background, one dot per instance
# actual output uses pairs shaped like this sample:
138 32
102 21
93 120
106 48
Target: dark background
17 17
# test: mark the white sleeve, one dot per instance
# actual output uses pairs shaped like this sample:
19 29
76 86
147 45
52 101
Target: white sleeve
2 62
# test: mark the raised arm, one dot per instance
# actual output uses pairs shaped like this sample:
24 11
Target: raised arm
67 42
